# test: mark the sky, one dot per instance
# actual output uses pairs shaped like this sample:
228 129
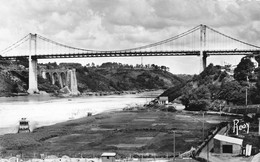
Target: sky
121 24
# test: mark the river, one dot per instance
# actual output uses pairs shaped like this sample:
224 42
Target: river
43 110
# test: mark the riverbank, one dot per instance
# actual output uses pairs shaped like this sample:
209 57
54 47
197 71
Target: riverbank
42 110
106 93
89 93
123 132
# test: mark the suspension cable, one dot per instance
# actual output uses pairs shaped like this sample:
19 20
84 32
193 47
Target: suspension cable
232 38
16 44
165 41
130 49
59 44
156 44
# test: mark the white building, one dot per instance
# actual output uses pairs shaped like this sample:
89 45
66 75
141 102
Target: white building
163 100
108 157
227 145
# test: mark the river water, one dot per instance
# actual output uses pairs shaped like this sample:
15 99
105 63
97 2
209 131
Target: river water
42 110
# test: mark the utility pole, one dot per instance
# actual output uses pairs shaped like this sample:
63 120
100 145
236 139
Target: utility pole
246 89
246 96
173 145
220 110
203 126
208 151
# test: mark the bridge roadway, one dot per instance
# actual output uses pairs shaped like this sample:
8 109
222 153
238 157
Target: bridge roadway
184 44
137 54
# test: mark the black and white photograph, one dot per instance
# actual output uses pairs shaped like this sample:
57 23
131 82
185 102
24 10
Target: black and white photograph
129 80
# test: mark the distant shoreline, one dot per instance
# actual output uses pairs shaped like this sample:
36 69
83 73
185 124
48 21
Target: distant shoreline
89 93
108 93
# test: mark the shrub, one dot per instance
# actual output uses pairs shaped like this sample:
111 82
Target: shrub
198 105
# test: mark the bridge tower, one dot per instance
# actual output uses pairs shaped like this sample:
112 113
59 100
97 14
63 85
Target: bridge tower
203 54
33 86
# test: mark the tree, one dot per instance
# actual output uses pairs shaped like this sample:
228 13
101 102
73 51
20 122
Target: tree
232 91
257 71
23 61
196 99
203 92
163 68
51 65
255 91
214 90
198 105
255 95
209 70
15 88
257 58
244 69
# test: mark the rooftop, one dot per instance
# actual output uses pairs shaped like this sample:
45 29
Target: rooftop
163 98
108 154
229 139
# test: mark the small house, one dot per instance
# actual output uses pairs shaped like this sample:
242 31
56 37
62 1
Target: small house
163 100
227 145
108 157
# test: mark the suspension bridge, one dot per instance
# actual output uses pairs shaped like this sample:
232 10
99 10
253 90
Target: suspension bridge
201 41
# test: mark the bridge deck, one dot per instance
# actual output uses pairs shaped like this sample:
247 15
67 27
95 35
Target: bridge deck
138 54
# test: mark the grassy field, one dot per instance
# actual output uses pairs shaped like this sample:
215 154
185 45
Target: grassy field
124 132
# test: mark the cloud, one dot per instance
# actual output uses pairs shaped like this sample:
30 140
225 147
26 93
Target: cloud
120 24
119 19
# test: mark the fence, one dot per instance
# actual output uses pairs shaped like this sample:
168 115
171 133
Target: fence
243 109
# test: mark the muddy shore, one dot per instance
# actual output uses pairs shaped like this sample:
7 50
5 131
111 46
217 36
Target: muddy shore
124 132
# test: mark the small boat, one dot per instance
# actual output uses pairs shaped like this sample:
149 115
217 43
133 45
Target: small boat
24 126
